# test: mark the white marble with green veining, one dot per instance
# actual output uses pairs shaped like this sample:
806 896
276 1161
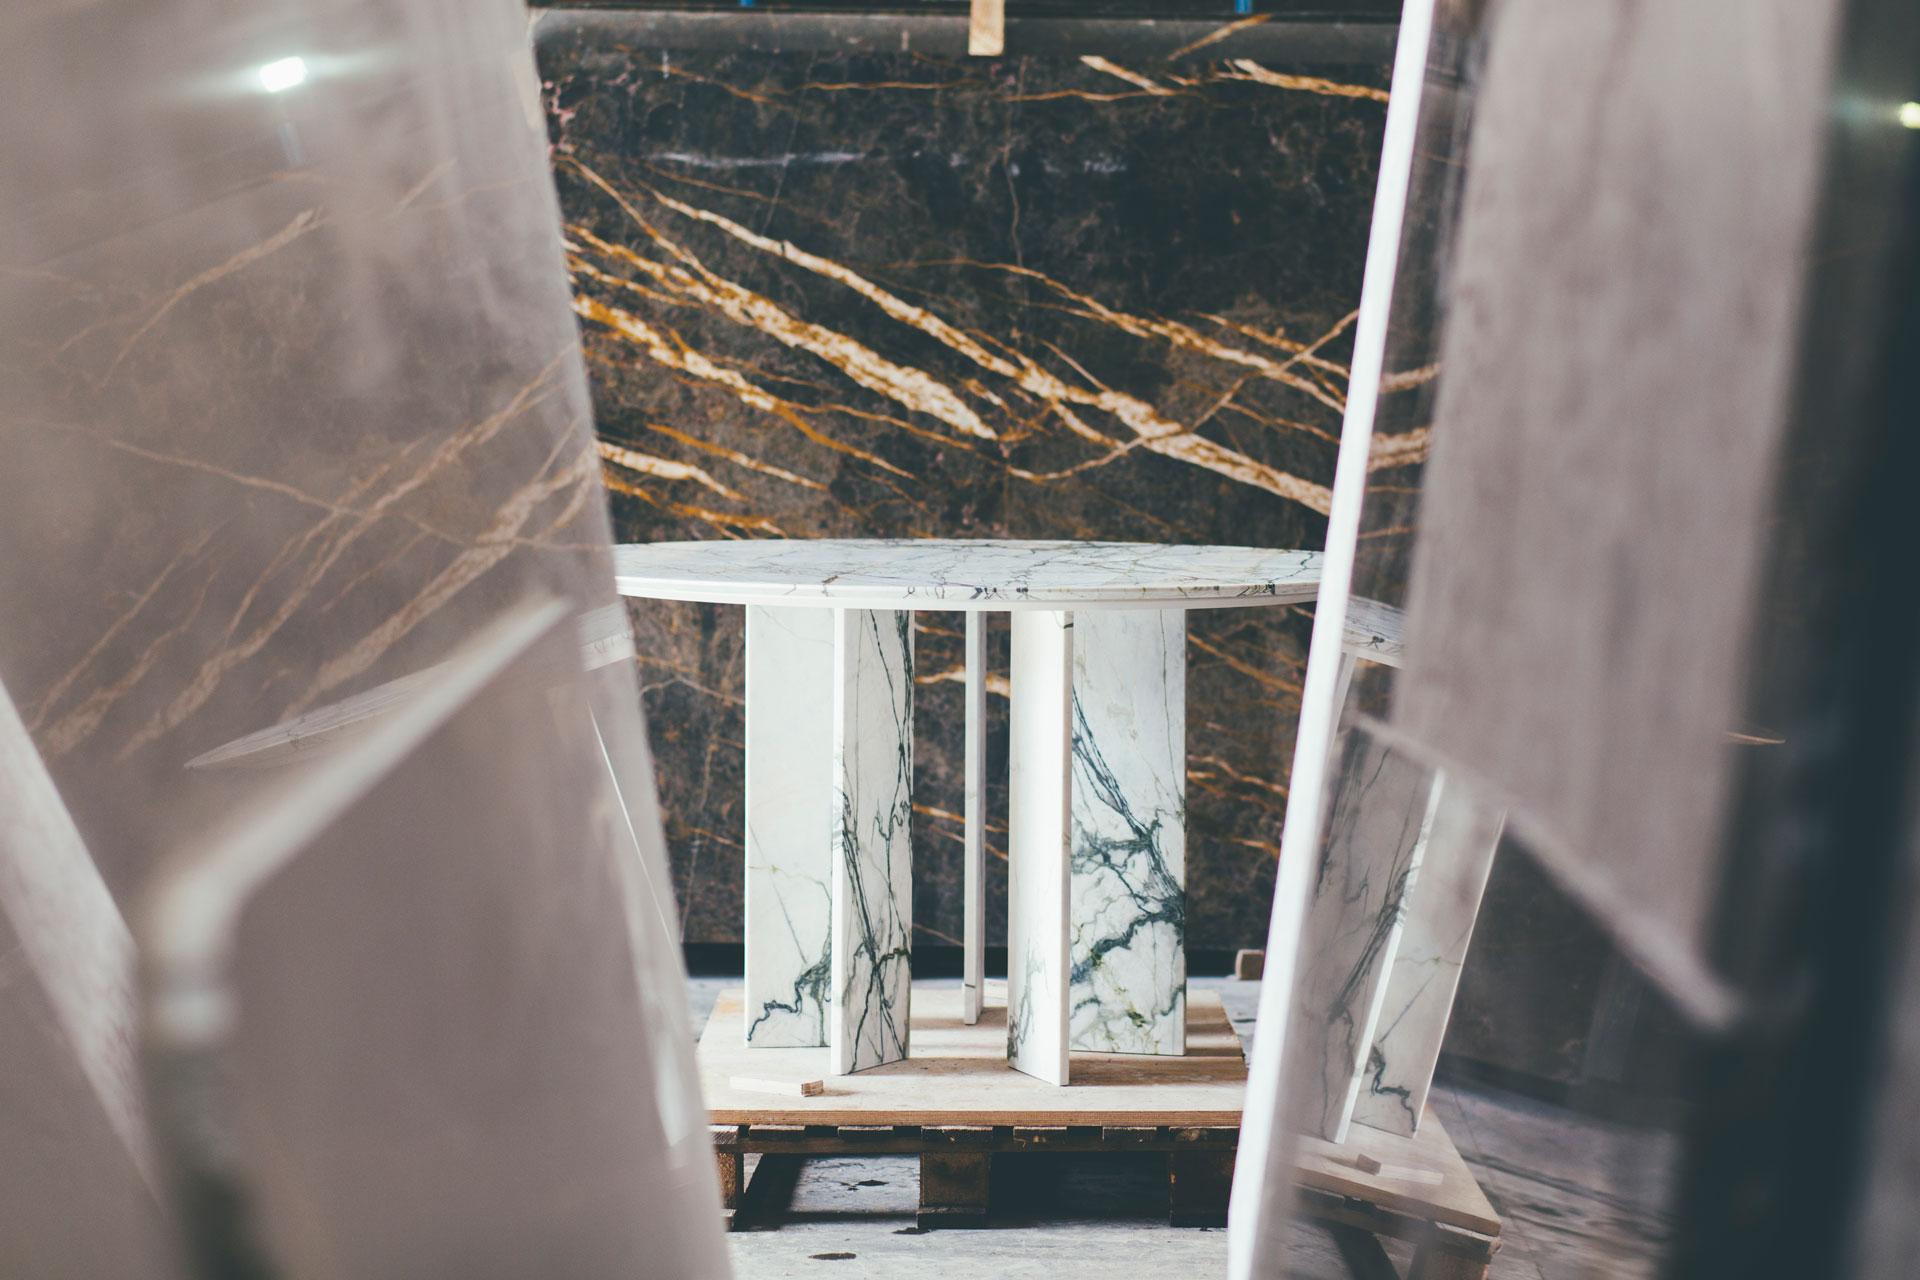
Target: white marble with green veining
1129 972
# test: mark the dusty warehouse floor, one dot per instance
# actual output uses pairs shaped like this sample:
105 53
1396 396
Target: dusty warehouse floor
1580 1197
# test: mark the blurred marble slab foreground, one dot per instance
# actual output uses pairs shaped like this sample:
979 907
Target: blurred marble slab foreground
1376 837
1418 1003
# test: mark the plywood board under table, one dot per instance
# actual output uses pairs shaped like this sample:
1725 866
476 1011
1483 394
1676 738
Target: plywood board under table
958 1075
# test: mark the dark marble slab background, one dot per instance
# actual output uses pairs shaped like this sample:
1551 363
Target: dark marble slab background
1050 296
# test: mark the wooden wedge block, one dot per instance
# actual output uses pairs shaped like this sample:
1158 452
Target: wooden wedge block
785 1088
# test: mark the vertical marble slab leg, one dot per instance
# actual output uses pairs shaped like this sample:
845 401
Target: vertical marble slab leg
1382 812
1129 843
1040 743
789 880
1426 971
871 837
973 933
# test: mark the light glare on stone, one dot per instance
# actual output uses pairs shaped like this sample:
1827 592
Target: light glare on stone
283 73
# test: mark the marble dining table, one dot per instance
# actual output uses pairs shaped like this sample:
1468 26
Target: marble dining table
1097 776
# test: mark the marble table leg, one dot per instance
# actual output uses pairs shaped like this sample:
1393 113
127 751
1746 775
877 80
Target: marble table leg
870 840
973 931
1039 764
789 874
1129 968
1426 971
1382 813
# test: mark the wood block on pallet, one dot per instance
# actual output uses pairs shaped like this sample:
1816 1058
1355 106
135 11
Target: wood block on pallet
954 1188
1198 1184
727 1154
766 1193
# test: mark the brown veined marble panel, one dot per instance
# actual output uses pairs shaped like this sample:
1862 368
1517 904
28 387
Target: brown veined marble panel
833 294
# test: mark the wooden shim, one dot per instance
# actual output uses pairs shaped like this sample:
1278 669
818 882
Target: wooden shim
784 1088
987 28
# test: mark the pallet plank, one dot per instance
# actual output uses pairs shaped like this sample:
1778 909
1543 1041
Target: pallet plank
957 1093
958 1074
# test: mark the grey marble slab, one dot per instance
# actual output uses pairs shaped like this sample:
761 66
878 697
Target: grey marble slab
77 1186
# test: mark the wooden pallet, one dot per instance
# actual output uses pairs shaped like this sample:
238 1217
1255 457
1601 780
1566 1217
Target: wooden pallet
956 1104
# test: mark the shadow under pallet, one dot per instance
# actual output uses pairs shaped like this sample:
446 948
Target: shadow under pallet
956 1104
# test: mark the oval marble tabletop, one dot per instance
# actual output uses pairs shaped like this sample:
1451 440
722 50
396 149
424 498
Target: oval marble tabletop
964 574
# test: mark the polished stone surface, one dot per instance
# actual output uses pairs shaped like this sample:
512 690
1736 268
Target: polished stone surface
789 873
869 833
963 574
1129 838
1079 295
293 406
1040 822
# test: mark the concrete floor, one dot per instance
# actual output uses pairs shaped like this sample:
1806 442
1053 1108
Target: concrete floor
1580 1197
